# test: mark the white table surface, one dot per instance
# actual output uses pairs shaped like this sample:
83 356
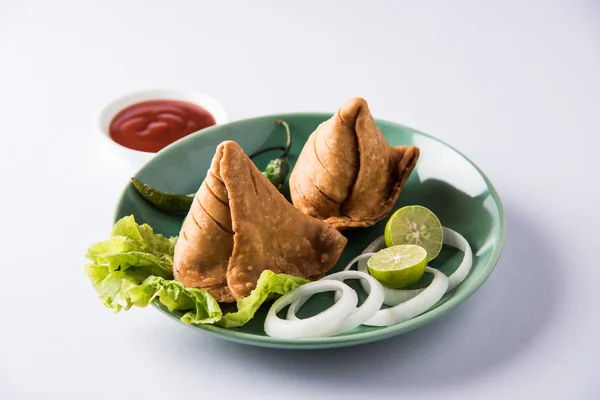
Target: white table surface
514 85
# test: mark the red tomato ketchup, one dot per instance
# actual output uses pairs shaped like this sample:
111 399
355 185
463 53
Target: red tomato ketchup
154 124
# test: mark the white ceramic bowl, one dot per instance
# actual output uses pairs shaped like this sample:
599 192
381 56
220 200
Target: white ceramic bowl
141 157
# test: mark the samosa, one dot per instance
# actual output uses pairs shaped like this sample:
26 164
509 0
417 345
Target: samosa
347 174
240 224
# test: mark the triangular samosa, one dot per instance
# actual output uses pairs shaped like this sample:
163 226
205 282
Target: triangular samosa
347 174
240 224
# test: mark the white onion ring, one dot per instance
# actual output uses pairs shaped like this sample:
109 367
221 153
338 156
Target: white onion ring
344 316
455 239
361 314
415 306
396 296
317 326
365 255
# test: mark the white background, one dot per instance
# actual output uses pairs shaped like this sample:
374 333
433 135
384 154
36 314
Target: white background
515 85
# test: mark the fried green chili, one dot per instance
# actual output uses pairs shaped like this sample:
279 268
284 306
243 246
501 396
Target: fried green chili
278 169
171 202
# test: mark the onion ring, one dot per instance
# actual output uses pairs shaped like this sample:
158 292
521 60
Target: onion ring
316 326
361 314
415 306
396 296
455 239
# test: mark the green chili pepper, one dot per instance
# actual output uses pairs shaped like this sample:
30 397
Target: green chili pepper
278 169
165 201
276 172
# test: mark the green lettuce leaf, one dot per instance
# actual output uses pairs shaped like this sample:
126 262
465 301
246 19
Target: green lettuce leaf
134 267
120 290
269 285
131 244
199 307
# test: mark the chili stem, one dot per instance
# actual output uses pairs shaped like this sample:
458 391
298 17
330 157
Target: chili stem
288 144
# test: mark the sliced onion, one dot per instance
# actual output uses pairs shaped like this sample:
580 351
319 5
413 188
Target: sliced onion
344 315
415 306
361 314
365 255
455 239
396 296
320 325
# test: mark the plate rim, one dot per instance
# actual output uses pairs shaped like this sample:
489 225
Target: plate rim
348 339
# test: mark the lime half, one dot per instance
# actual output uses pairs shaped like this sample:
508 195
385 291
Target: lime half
415 225
399 266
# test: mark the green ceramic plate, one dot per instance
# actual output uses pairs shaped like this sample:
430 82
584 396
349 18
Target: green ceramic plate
444 180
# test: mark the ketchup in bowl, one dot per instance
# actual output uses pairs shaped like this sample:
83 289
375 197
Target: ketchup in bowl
151 125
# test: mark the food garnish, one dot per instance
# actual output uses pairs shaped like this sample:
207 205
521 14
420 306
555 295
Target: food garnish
393 297
415 306
415 225
361 314
170 202
402 304
321 324
400 266
134 267
278 169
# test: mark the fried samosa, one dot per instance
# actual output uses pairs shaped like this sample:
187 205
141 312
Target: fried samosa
240 224
347 174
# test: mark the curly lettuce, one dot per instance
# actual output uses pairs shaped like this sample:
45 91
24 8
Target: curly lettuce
269 285
134 267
